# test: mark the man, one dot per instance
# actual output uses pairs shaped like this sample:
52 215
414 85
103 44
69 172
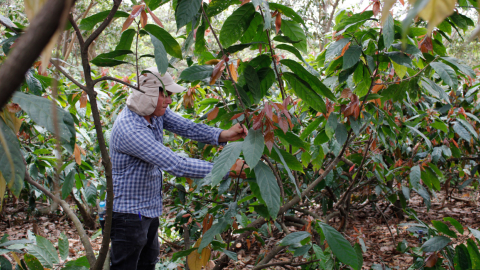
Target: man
138 159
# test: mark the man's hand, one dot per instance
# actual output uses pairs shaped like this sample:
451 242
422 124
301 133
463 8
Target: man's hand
234 133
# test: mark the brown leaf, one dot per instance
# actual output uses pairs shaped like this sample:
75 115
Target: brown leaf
236 116
76 153
278 22
207 223
352 107
237 171
330 107
257 120
217 71
155 18
233 71
269 140
135 12
83 100
143 18
344 50
377 87
431 260
213 114
346 93
195 260
244 2
212 62
376 8
426 44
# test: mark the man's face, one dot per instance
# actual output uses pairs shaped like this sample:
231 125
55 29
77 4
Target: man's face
164 100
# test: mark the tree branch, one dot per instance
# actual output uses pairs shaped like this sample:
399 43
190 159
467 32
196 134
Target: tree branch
59 68
108 78
105 23
77 30
29 47
66 208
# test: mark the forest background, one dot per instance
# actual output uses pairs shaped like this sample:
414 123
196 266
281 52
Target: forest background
363 142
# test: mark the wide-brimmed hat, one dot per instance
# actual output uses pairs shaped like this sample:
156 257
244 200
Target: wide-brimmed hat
145 103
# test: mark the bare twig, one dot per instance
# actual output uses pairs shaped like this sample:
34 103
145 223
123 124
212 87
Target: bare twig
105 23
388 226
105 78
59 68
77 31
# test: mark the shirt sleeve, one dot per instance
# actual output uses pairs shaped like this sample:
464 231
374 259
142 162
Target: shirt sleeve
142 144
188 129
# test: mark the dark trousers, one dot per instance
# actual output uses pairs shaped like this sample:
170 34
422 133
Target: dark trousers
134 242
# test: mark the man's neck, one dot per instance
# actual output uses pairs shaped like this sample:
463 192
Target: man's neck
147 117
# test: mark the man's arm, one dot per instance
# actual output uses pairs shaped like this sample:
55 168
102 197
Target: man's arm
201 132
142 144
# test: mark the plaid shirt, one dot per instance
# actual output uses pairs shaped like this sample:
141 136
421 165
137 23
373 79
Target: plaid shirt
139 157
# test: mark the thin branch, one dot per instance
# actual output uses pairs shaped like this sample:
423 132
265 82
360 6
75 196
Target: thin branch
59 68
105 23
66 208
279 180
269 256
77 30
407 78
388 226
9 27
105 78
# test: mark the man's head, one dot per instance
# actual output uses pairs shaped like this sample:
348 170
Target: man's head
156 99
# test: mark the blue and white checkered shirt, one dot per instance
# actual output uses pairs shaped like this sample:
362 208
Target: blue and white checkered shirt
139 157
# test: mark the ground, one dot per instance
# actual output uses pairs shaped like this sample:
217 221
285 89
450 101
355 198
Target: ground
366 223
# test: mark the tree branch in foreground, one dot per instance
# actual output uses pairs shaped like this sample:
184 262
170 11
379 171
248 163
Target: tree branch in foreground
29 47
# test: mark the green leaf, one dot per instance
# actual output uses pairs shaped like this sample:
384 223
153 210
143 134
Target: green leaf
268 188
358 251
446 73
462 67
15 177
475 233
292 139
106 62
351 56
78 264
40 110
32 262
114 54
412 13
183 253
5 264
225 161
90 22
435 89
277 150
170 44
303 91
474 254
310 128
91 194
236 24
427 141
294 31
462 258
400 58
400 70
354 19
214 230
291 161
336 48
126 41
415 175
200 43
443 228
217 6
469 127
44 251
285 39
311 80
290 49
161 59
68 184
195 73
252 29
186 11
388 31
462 131
253 147
455 224
341 248
33 83
232 255
294 238
63 246
437 124
341 133
287 11
253 83
266 75
435 243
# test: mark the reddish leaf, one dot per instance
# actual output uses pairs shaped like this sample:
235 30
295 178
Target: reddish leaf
376 8
76 153
260 48
346 93
213 114
233 71
403 2
257 120
135 12
377 87
352 107
431 259
155 18
143 18
268 110
236 116
330 107
351 168
283 125
278 22
426 44
217 71
269 140
207 223
244 2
